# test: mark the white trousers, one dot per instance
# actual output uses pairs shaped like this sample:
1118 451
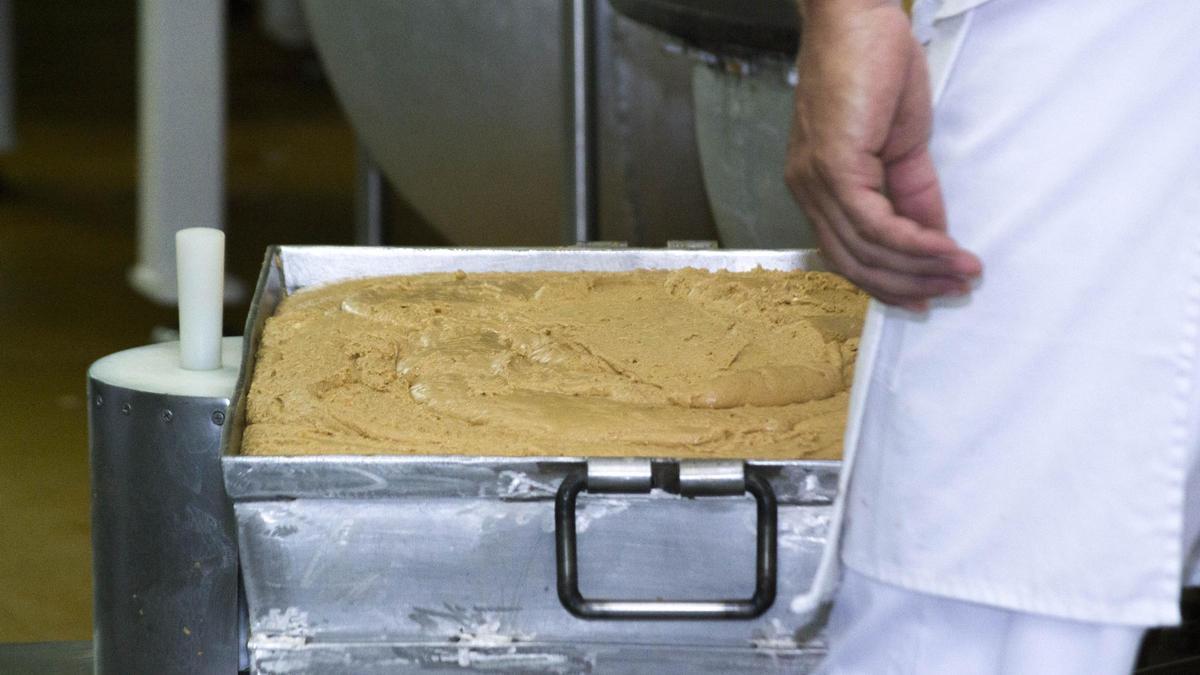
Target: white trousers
880 629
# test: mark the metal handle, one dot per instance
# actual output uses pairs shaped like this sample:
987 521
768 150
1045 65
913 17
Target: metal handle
584 608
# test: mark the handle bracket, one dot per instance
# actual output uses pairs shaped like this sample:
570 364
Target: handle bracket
585 608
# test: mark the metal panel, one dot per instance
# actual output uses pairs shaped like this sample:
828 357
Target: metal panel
444 569
164 556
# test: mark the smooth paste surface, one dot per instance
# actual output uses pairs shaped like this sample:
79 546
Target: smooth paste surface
684 363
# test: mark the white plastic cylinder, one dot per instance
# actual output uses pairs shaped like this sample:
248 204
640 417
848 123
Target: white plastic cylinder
200 261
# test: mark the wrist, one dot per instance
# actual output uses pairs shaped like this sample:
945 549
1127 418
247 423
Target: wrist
812 8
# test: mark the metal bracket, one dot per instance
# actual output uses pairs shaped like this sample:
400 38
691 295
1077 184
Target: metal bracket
711 478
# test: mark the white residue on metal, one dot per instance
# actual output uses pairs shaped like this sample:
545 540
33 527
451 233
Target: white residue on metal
521 485
290 622
812 483
294 662
487 634
507 660
593 510
774 636
261 641
482 517
470 626
811 528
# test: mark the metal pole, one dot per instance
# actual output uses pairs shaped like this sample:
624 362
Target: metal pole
372 201
8 83
579 68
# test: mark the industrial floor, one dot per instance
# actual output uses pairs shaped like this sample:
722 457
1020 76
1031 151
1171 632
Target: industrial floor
67 216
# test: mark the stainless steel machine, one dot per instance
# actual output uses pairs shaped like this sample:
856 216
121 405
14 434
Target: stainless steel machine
374 564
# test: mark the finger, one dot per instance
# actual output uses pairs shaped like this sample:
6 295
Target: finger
889 286
873 218
873 255
887 278
916 194
882 281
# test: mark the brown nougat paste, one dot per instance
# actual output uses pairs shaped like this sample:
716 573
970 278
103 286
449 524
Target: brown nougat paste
682 363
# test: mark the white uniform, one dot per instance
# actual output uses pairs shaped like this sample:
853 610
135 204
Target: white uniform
1029 450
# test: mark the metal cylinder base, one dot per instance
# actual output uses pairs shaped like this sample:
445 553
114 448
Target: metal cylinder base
163 540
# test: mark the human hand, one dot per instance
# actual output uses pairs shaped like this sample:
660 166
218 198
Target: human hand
858 158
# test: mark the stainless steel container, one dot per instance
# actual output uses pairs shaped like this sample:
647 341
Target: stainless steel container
360 564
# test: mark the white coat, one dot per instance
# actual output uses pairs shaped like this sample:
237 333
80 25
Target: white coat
1030 446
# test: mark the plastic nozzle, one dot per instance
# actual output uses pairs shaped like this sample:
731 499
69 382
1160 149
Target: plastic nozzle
200 259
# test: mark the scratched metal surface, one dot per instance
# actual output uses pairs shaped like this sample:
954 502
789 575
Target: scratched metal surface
804 482
373 564
612 659
483 569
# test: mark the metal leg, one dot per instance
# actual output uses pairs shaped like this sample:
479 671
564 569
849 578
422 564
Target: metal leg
181 135
372 202
579 69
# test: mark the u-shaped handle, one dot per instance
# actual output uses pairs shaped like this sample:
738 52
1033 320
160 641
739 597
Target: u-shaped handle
584 608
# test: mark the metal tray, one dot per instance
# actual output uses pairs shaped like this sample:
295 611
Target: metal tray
364 563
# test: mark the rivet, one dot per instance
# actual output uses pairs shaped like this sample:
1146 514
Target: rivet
218 417
126 409
99 401
167 415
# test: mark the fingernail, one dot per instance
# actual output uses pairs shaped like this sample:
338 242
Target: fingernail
966 265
